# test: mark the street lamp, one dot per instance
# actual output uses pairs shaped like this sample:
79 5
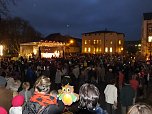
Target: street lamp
150 41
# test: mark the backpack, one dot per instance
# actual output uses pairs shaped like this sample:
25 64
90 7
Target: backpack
34 108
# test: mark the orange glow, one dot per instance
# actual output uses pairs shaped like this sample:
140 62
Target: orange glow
71 41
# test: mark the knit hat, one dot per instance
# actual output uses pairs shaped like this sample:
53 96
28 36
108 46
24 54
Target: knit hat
2 81
18 101
2 110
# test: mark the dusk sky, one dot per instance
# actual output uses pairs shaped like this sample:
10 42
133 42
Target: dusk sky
53 16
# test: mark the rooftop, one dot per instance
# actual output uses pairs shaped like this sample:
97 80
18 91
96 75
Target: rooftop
147 16
103 31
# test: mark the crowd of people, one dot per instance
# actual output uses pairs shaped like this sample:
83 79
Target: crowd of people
31 86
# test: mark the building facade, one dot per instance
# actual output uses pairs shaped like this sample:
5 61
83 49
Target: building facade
146 36
101 42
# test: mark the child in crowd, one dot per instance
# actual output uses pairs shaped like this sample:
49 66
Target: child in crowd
17 103
26 92
54 93
89 98
15 86
2 110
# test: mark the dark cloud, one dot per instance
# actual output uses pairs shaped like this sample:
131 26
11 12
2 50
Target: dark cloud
49 16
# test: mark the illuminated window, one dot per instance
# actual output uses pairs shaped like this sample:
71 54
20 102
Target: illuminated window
97 41
111 42
89 41
122 49
97 49
110 49
150 39
100 49
89 49
85 49
106 49
119 42
100 41
94 49
94 42
85 42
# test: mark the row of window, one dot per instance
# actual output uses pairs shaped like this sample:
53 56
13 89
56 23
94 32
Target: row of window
99 42
107 49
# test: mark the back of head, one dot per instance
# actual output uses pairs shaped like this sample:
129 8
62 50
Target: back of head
26 85
140 108
43 84
89 96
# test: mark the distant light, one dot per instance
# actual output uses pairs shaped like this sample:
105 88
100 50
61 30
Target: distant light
139 45
111 49
106 49
85 42
71 41
150 39
35 51
1 50
119 42
89 49
85 49
97 49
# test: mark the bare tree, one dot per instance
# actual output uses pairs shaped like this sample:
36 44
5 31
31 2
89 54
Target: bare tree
4 6
14 31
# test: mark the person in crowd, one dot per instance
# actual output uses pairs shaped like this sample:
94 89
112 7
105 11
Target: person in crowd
5 94
3 110
111 97
76 72
15 86
99 74
17 103
135 85
26 92
10 82
89 100
140 108
65 69
127 95
42 102
103 71
109 75
120 79
82 77
58 77
30 75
